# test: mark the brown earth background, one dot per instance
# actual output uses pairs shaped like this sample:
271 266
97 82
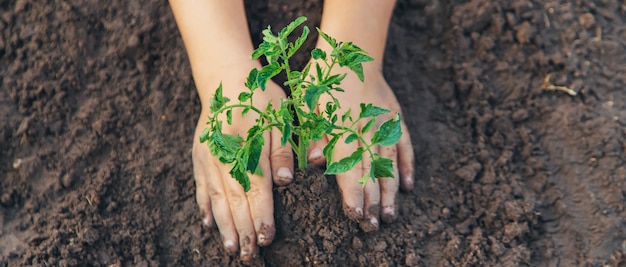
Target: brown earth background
98 107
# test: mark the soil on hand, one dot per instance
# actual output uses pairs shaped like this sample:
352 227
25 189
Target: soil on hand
98 108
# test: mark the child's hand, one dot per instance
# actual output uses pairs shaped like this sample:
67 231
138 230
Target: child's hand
244 220
364 204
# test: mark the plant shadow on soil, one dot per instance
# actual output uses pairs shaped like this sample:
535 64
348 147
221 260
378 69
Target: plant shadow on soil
98 104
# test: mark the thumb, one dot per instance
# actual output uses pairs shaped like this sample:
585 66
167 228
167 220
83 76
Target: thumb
281 159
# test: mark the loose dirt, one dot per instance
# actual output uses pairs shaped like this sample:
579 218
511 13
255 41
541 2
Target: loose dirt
98 108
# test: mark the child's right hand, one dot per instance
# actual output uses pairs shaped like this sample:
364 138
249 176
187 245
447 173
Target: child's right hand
244 219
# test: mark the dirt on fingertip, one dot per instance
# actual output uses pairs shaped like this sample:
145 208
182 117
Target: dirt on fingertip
516 110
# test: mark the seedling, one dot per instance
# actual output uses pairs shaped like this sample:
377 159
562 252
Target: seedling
296 115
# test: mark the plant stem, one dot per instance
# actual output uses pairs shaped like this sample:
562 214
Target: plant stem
302 160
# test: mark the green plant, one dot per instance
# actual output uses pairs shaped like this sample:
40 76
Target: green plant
306 87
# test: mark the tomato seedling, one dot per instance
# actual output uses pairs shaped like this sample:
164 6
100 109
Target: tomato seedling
295 117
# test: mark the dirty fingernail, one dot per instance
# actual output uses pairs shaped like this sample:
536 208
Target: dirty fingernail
284 174
374 221
229 245
409 181
261 239
388 210
315 154
359 211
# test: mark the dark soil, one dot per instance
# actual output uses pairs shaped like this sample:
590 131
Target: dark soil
98 108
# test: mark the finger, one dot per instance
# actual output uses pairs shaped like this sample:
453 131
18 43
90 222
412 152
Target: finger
202 190
261 201
389 186
238 203
349 186
406 159
371 197
219 205
315 151
315 154
281 160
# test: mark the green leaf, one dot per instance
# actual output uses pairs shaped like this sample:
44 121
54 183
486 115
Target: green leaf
286 132
368 126
330 108
381 168
351 138
331 41
204 135
319 127
251 81
298 43
266 73
245 111
312 95
347 163
261 50
218 101
284 33
330 147
318 54
346 115
335 79
320 74
389 132
229 117
305 72
240 174
253 147
224 146
370 110
269 37
358 70
243 96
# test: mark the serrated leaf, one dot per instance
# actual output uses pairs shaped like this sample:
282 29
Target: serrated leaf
286 132
331 41
261 50
204 135
346 115
389 132
268 36
284 33
330 108
312 95
305 72
368 126
319 73
241 176
224 146
218 100
319 128
358 70
329 148
266 73
251 81
253 148
335 79
245 111
243 96
298 43
347 163
229 117
318 54
351 138
381 168
369 110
